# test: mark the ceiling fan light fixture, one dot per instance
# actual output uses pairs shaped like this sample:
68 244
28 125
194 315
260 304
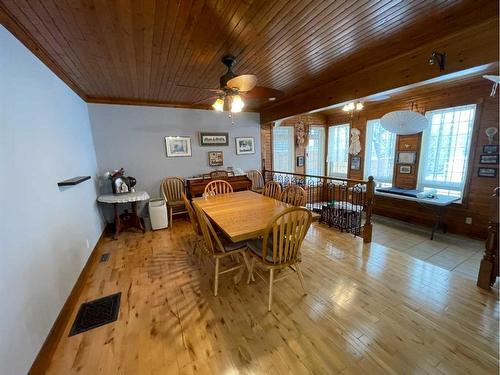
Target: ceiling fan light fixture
218 105
237 104
359 106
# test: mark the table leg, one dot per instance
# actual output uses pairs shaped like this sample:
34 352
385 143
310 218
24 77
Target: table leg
136 217
439 222
117 221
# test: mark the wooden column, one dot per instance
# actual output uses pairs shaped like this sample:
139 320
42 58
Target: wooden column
488 270
367 228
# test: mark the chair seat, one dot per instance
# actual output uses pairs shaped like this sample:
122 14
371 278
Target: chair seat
255 246
175 203
230 245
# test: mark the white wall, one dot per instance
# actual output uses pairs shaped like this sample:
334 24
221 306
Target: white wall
45 137
133 137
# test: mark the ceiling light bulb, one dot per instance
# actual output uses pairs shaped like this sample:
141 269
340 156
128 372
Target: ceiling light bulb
218 105
359 106
237 104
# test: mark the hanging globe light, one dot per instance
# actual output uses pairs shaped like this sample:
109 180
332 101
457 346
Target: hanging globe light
404 122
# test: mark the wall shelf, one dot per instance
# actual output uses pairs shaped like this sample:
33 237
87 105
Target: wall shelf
73 181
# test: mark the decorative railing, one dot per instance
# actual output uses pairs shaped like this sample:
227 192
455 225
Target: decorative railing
345 204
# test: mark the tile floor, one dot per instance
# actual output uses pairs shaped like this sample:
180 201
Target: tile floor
454 253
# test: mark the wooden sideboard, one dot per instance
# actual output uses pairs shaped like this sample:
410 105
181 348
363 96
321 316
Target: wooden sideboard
196 186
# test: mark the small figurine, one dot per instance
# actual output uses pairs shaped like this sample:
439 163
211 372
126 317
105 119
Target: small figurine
355 147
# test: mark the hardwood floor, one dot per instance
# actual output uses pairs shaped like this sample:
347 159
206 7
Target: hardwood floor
370 309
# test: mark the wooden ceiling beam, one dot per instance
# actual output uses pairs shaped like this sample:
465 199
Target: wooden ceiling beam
474 46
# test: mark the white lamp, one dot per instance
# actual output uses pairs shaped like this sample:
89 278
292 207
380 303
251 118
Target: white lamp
237 104
404 122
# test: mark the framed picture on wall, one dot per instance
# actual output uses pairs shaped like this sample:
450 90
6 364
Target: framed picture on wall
214 139
178 146
300 161
487 172
405 169
488 159
356 163
215 158
245 145
490 149
407 157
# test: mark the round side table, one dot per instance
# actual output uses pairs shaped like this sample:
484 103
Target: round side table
127 219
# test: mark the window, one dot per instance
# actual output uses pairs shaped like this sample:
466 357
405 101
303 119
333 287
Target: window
283 149
379 153
445 149
315 151
338 150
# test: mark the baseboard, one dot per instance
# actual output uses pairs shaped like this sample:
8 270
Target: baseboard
44 356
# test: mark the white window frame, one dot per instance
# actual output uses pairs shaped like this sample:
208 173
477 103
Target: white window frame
320 159
333 157
447 187
291 150
385 181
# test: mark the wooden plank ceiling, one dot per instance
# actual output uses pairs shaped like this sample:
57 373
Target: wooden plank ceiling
134 51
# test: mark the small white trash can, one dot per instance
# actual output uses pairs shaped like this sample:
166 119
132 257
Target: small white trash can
158 213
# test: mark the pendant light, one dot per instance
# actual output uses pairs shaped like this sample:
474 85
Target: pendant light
404 122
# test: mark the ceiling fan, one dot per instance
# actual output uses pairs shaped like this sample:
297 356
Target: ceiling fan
235 90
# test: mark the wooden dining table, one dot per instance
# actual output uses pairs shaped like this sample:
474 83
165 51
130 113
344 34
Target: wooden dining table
242 215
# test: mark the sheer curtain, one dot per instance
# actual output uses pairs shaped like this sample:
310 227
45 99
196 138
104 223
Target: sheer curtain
445 149
338 150
315 164
283 149
379 153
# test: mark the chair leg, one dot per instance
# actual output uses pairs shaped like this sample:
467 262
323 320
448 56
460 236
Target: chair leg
271 282
216 281
250 270
170 217
301 278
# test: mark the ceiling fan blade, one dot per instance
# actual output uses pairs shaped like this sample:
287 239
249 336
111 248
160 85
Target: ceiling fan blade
205 99
261 92
200 88
243 83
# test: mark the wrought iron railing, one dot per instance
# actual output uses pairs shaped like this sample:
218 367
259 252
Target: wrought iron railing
345 204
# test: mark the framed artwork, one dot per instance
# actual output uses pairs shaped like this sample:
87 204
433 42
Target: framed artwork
178 146
490 149
487 172
245 145
356 163
214 139
488 159
407 157
300 161
215 158
405 169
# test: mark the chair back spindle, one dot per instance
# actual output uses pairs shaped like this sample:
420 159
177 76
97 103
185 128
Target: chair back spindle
218 187
272 189
294 195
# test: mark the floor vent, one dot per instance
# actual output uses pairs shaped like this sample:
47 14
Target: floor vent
104 258
96 313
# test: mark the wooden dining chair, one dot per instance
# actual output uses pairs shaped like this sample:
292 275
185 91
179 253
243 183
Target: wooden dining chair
218 174
218 187
171 189
279 247
257 180
272 189
294 195
217 247
194 224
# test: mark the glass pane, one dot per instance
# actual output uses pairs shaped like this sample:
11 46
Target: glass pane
338 150
315 151
445 149
283 149
379 153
